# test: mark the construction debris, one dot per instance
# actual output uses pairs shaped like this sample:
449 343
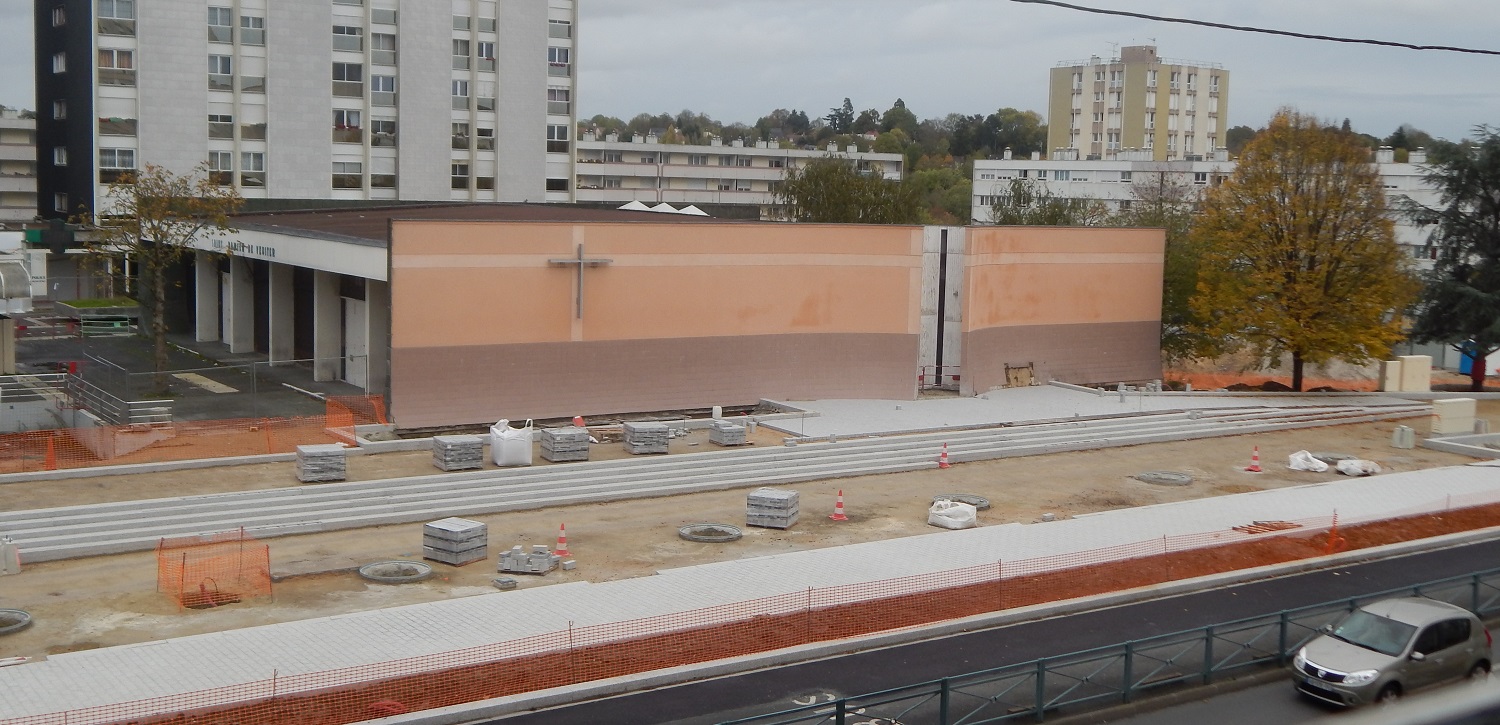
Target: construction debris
952 515
646 437
569 443
772 508
725 433
458 453
318 463
455 541
539 560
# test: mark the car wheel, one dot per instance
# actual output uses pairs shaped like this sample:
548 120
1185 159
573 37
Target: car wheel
1480 670
1389 694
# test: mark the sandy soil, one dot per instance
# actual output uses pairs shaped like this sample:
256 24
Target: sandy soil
105 601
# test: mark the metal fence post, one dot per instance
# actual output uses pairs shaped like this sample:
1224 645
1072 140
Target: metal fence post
1281 639
1208 654
1041 690
841 711
944 688
1127 687
1474 591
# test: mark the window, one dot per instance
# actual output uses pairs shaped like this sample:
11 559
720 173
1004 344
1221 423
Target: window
1176 80
697 160
460 135
1125 176
612 182
1060 175
59 17
557 138
460 54
485 51
383 48
115 164
59 155
461 22
384 17
742 161
59 63
346 126
614 157
348 80
559 101
117 17
348 37
252 30
383 132
348 2
559 29
220 126
557 185
1192 81
460 95
382 90
460 176
485 25
484 139
221 167
776 163
221 72
116 67
60 202
648 158
252 169
348 175
559 61
59 110
1213 84
220 25
116 126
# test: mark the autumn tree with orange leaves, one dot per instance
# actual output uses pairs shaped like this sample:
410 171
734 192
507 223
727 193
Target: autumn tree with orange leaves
1299 253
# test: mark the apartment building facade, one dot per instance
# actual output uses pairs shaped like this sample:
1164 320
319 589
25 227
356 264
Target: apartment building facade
643 169
308 99
1176 109
17 167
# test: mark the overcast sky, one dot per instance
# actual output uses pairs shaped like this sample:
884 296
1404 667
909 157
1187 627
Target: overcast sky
738 60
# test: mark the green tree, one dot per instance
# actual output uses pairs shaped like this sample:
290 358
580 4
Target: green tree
1299 255
1236 138
1167 201
946 193
1020 131
898 117
155 218
1461 302
832 190
1028 202
841 118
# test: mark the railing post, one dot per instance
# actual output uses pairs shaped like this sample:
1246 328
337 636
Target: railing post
1041 690
1474 594
1208 654
841 711
1281 639
943 690
1127 686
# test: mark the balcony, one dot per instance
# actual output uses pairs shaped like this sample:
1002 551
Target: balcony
348 181
559 108
349 89
253 179
253 132
252 84
116 77
119 127
220 34
220 82
382 181
387 140
560 70
117 26
345 134
383 57
382 98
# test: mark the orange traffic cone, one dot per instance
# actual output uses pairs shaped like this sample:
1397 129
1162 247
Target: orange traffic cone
50 462
838 508
578 421
943 457
1254 466
562 541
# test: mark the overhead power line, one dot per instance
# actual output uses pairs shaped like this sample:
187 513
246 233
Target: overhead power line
1267 31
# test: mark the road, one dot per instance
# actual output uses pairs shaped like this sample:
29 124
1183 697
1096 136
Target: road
710 701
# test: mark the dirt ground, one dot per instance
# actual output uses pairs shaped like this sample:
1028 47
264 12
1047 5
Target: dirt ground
105 601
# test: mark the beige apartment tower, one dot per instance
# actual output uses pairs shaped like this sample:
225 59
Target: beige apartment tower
1177 109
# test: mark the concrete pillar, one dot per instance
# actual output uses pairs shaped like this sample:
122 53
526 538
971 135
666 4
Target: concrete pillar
282 317
328 326
241 299
206 269
378 307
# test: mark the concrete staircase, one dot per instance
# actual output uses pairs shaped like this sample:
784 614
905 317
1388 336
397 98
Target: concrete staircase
107 528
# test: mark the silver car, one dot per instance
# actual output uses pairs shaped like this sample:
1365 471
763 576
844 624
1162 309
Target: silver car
1386 649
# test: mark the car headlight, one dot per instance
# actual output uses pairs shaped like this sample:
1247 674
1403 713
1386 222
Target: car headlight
1361 677
1300 659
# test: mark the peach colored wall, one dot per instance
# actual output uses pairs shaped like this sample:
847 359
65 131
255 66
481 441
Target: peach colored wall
485 283
1021 276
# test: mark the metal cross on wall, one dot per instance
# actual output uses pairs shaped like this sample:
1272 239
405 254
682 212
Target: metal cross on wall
580 261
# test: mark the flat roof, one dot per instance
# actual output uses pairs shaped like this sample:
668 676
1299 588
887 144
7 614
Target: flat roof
371 223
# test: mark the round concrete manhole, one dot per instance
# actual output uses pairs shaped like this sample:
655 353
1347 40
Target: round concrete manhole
979 503
1332 459
396 572
710 533
1164 478
13 620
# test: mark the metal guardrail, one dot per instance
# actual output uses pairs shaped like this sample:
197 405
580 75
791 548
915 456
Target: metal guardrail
113 409
1118 673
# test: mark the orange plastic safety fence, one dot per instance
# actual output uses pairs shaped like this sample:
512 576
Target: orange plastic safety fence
46 450
1214 381
580 654
213 570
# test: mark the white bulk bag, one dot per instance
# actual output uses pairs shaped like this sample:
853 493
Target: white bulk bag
510 446
952 514
1304 461
1358 467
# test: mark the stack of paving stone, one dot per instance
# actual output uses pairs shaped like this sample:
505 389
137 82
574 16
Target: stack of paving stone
457 453
455 541
646 437
724 433
569 443
539 560
320 463
771 508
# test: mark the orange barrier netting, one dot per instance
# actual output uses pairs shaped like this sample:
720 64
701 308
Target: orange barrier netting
213 570
1214 381
45 450
582 654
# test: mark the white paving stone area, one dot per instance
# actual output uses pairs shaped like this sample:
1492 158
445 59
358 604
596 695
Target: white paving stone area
1011 405
119 674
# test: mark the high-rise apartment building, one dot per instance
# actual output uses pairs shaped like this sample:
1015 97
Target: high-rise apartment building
17 167
1177 109
422 100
